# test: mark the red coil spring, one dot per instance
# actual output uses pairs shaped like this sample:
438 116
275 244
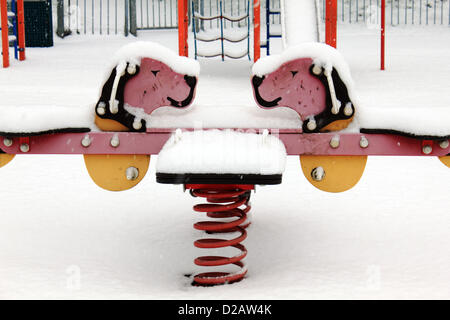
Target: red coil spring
223 202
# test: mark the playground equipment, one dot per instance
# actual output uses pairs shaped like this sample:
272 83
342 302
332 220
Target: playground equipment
220 18
312 79
221 37
12 20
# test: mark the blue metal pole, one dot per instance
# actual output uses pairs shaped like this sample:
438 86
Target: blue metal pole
193 28
267 27
248 30
221 31
14 9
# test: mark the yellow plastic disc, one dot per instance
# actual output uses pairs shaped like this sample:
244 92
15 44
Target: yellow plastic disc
333 173
445 160
117 172
5 159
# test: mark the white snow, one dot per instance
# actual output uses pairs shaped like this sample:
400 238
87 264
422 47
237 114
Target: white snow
299 22
417 121
63 237
134 52
25 119
222 152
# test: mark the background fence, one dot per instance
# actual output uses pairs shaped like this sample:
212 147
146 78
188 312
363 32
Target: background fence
398 12
107 17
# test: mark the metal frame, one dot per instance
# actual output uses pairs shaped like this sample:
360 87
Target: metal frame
296 143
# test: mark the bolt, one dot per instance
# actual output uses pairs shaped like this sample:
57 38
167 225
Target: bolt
312 125
24 147
137 124
317 70
86 141
334 142
444 144
7 142
363 143
348 110
131 68
115 142
101 108
427 149
114 108
318 174
132 173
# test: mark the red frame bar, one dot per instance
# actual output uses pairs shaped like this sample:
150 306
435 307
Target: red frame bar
21 29
383 30
256 30
183 23
296 143
5 39
331 23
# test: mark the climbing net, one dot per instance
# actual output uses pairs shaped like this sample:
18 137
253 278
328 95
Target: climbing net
221 18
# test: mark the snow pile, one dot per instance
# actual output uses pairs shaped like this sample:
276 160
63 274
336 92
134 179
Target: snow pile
222 152
299 22
34 119
416 121
135 51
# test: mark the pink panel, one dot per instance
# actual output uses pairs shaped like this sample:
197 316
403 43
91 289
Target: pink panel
295 88
153 85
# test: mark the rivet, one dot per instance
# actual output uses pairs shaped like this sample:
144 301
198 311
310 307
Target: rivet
115 142
101 108
114 107
318 174
7 142
86 141
427 149
444 144
316 69
348 110
137 124
312 125
334 142
24 147
132 173
131 68
363 143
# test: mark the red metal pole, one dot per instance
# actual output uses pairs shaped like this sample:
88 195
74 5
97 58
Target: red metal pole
5 40
21 29
331 23
183 28
383 31
256 30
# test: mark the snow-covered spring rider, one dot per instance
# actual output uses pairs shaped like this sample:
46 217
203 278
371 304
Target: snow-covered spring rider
224 165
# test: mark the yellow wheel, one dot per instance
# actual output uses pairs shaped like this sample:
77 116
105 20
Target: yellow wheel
333 173
5 159
117 172
445 160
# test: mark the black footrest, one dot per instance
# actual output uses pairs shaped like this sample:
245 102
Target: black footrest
200 178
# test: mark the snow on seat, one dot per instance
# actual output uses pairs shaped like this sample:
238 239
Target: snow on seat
311 78
144 77
37 120
221 156
431 124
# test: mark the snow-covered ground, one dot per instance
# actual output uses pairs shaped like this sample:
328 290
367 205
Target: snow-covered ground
63 237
